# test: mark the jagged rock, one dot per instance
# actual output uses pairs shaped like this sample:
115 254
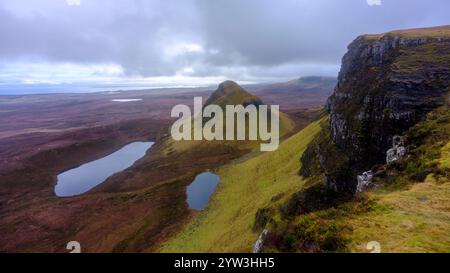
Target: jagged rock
397 152
257 248
364 181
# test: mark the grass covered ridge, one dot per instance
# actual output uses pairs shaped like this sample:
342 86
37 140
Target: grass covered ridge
227 224
430 32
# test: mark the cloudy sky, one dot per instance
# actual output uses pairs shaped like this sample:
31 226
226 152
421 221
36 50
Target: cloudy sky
189 42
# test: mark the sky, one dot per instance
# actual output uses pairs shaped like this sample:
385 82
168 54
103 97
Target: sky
64 44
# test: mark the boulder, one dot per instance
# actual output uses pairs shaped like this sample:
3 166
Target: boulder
364 181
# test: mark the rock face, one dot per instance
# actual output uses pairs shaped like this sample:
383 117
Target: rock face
387 83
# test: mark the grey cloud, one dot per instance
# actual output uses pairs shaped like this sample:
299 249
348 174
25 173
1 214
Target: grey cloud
267 32
241 39
132 35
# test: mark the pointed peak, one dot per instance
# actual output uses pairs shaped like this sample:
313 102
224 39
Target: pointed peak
228 84
231 93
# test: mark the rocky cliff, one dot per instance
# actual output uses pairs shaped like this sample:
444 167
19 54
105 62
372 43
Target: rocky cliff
387 83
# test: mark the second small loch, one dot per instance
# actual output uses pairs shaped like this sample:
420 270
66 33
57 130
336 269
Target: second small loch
201 189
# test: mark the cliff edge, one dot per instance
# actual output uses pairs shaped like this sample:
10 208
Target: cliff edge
387 83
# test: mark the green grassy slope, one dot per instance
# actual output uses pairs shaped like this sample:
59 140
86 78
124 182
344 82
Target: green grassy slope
403 215
287 126
245 187
416 219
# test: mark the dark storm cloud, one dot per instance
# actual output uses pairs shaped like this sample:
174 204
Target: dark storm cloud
243 39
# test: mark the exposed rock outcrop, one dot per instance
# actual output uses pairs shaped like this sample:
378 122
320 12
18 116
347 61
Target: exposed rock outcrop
364 181
398 150
257 248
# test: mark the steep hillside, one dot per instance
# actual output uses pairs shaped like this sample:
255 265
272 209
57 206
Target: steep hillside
388 116
230 93
407 208
245 186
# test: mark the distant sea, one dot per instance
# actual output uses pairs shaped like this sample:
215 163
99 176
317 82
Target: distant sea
54 89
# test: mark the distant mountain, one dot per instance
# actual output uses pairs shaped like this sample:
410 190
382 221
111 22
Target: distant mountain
311 82
305 92
303 84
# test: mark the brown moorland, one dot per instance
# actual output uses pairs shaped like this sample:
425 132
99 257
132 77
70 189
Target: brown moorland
133 211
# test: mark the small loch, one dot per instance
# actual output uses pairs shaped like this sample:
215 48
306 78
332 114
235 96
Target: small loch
201 189
85 177
126 100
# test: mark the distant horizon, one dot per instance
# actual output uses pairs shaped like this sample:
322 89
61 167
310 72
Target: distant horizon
11 90
47 89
